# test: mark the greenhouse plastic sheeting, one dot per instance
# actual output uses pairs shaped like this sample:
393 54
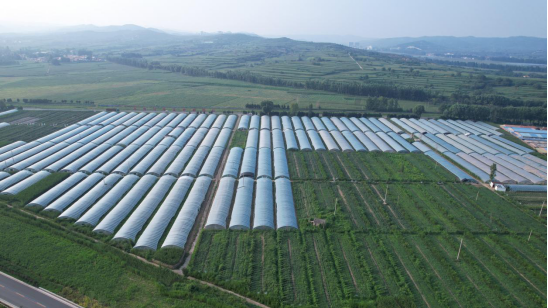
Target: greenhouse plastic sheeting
392 143
198 137
176 132
265 122
210 138
84 159
281 168
124 160
88 199
194 120
381 144
125 206
119 136
275 123
143 165
264 164
328 140
491 145
244 122
11 146
182 140
265 140
166 120
92 118
263 217
184 222
362 127
503 144
461 175
422 147
57 190
453 127
138 132
76 134
232 165
374 128
188 120
466 143
278 139
297 123
479 144
437 127
196 162
345 146
380 125
74 193
328 124
176 167
230 122
414 126
304 144
57 133
102 118
254 122
286 123
113 118
145 136
121 120
513 144
26 183
157 138
339 124
167 141
455 147
4 175
531 188
356 144
252 139
426 128
22 164
92 217
519 171
531 168
308 125
285 207
369 145
316 140
219 121
157 118
134 119
152 234
62 158
406 127
404 143
220 207
448 129
349 124
391 125
161 164
478 130
483 176
212 162
144 120
209 121
10 159
142 213
290 140
176 120
465 127
249 163
101 159
501 169
485 168
431 143
223 138
241 211
319 124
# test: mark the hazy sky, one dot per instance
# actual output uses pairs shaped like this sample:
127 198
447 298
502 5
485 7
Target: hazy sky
366 18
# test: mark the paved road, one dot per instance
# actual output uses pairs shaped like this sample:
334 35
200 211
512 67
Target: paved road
16 293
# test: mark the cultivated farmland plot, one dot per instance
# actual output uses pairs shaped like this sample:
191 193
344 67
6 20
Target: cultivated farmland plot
326 212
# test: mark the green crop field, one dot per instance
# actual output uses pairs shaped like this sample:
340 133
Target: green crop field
391 238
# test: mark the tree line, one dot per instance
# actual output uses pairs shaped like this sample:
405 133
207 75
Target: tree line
509 115
500 67
348 88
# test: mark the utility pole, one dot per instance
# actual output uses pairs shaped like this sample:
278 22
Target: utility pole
541 209
336 201
385 194
477 195
530 235
458 254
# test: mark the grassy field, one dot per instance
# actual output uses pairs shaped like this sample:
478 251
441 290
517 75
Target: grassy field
91 273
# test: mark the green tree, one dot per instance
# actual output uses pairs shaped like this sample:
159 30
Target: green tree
267 106
493 172
294 109
418 110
